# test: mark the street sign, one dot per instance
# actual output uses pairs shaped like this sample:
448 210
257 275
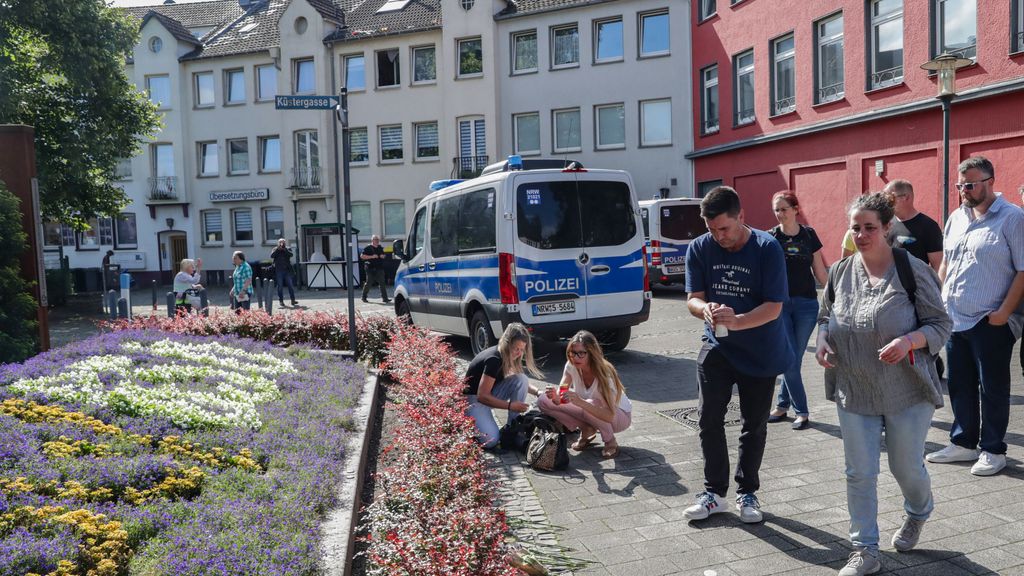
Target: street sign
305 102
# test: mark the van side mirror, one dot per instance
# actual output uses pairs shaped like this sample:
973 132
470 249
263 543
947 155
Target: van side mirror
398 249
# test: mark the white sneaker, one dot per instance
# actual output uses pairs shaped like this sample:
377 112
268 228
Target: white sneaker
988 464
749 508
952 453
708 503
861 562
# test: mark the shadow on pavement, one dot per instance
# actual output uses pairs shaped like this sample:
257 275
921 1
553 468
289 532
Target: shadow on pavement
645 469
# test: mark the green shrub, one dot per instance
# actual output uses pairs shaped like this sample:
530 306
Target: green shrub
18 329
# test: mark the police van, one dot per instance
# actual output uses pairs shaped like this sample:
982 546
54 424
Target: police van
669 226
558 249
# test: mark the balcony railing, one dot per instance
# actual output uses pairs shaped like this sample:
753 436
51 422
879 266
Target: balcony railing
164 189
745 116
1020 38
466 167
968 52
784 105
889 77
710 125
831 92
306 178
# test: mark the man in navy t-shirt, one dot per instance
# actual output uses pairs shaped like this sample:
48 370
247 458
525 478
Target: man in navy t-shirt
736 279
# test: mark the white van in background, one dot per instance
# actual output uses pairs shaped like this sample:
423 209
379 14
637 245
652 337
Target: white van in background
669 226
558 249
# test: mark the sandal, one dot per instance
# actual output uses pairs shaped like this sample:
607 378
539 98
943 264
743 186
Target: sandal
584 442
610 451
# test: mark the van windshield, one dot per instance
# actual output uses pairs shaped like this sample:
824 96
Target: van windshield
681 222
554 215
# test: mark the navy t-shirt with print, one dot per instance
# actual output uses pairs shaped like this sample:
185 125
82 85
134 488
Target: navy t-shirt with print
743 280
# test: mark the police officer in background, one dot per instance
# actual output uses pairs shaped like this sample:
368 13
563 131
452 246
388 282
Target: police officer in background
373 260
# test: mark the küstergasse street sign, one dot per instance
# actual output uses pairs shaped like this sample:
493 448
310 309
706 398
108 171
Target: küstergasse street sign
305 102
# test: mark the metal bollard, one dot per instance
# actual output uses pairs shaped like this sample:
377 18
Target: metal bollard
111 304
204 303
152 287
257 286
268 294
171 311
122 308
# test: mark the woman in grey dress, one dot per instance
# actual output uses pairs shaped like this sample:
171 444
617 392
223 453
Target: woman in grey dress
868 331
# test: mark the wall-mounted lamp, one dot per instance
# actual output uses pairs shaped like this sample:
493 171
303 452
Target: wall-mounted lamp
312 215
170 223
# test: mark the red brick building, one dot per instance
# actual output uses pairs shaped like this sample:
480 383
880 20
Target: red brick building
827 98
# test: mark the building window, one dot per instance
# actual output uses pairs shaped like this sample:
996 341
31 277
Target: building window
654 34
359 146
608 40
611 126
709 99
207 159
426 141
388 70
241 221
527 133
307 159
783 75
89 239
656 123
126 232
213 228
266 82
703 188
159 89
361 219
829 59
424 65
51 235
1017 42
203 84
391 143
106 231
394 218
471 58
238 156
67 235
743 91
234 85
305 79
956 28
355 72
707 9
273 224
524 52
270 153
886 43
565 46
567 130
123 170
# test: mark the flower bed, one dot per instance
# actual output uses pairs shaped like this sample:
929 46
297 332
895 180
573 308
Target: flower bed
325 330
138 452
433 513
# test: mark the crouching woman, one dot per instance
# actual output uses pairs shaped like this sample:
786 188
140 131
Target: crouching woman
593 399
496 379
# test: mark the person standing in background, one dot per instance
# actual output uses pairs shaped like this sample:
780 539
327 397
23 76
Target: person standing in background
373 257
914 231
282 258
241 282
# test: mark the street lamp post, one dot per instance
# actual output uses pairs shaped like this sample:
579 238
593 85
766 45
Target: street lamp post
946 65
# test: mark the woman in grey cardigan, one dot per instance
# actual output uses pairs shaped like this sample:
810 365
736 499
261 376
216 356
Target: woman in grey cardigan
867 337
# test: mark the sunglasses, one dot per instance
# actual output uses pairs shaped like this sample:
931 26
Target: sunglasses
578 353
968 186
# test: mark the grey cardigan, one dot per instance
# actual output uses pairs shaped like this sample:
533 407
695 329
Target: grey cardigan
865 318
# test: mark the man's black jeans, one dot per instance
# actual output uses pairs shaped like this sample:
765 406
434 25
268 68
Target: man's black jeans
715 377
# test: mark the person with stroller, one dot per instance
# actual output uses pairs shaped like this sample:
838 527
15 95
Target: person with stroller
186 283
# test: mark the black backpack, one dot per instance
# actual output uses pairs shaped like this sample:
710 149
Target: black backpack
516 434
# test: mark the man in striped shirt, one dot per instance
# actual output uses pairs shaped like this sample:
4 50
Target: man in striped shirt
983 280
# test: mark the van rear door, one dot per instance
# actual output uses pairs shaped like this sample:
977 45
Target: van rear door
679 224
550 271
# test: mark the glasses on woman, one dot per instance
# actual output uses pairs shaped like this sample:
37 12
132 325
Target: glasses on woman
578 353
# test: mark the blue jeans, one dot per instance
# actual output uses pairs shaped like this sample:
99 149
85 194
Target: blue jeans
514 388
799 315
284 276
905 434
979 373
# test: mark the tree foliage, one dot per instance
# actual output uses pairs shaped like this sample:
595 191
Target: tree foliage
62 71
17 307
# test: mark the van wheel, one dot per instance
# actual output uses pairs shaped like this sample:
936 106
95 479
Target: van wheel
480 335
403 313
615 340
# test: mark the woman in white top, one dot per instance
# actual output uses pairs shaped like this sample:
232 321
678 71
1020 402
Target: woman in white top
595 400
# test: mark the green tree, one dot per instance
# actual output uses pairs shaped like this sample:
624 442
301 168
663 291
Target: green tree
62 71
17 307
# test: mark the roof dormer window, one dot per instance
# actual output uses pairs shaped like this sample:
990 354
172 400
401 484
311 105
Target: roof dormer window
392 6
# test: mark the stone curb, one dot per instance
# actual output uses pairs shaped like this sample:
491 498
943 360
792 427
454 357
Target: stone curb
340 525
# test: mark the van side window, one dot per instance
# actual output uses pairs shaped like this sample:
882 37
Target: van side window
645 215
548 215
476 221
444 221
419 231
682 222
606 211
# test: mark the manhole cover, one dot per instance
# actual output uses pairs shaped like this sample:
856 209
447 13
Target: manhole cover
690 418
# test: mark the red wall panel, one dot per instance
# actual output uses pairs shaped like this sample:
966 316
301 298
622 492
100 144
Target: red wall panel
756 192
823 199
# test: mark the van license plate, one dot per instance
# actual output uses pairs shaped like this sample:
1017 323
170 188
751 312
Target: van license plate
675 269
554 308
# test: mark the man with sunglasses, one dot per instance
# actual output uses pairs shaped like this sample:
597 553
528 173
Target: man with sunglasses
983 280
